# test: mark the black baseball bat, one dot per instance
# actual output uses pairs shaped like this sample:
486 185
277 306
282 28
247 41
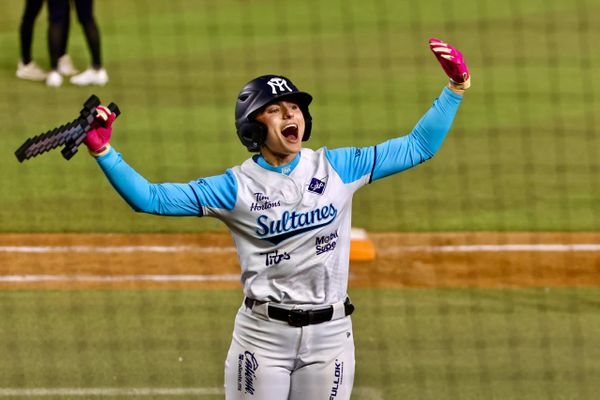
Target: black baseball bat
71 135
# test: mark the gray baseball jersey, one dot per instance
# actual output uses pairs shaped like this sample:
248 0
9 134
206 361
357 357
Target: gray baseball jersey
292 232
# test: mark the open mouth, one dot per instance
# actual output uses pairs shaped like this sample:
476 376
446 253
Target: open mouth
290 132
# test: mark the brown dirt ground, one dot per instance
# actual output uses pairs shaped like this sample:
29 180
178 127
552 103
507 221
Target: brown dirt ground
393 266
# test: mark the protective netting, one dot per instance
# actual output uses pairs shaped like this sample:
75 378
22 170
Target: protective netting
518 173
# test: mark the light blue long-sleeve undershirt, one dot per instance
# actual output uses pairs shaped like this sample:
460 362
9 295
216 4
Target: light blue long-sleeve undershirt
220 191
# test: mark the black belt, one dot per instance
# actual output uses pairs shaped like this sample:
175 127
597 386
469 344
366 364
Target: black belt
298 317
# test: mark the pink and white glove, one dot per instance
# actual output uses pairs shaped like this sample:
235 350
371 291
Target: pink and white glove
98 136
453 63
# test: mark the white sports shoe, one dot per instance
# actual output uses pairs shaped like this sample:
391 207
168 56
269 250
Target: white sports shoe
65 66
91 77
30 71
54 79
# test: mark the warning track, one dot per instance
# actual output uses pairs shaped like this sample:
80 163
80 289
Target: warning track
208 260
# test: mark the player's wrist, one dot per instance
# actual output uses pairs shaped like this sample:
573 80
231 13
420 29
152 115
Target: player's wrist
455 90
101 151
452 84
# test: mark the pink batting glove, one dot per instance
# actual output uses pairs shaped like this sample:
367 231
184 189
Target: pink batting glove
98 136
453 63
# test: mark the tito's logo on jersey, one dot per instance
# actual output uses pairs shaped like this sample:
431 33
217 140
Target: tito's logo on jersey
294 223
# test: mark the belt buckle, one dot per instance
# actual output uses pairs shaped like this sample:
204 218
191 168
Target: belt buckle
298 317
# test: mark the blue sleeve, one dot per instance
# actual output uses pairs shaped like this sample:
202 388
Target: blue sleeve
422 143
351 163
175 199
401 153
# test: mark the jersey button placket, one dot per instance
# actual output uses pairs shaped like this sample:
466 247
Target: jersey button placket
291 193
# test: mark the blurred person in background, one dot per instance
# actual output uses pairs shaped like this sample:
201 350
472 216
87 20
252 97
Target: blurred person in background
58 31
29 69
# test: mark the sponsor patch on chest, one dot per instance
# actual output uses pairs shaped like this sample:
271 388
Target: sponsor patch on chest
317 185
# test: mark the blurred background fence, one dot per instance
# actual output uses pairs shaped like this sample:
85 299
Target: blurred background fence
522 153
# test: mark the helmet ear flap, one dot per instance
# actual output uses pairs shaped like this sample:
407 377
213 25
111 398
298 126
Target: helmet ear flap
252 134
307 126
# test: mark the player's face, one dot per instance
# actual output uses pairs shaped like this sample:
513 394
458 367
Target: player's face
285 123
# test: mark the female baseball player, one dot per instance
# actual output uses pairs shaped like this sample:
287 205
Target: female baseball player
288 209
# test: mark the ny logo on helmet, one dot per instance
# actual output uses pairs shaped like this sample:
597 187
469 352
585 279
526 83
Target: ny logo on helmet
278 84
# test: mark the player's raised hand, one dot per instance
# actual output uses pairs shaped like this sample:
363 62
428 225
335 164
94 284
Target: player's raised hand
98 136
453 63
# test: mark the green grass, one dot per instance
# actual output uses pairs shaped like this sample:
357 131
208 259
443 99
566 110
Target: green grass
522 153
411 344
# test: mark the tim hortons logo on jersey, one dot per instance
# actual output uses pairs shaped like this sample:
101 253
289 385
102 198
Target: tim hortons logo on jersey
326 243
278 85
294 223
317 185
263 203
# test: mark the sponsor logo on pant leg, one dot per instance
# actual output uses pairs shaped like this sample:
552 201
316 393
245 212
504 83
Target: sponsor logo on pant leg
247 366
240 369
338 378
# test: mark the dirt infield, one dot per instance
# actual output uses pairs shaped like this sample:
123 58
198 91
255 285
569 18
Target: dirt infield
208 260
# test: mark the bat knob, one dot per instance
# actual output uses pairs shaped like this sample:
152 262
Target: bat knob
91 103
114 108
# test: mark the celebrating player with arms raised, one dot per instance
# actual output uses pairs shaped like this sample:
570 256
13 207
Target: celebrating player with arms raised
289 211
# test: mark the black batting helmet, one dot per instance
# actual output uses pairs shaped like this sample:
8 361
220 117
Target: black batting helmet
257 94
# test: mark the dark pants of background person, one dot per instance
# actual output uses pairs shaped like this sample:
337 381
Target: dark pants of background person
32 9
58 29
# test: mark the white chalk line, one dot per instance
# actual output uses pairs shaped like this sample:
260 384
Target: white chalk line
116 249
493 248
117 392
366 392
32 278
